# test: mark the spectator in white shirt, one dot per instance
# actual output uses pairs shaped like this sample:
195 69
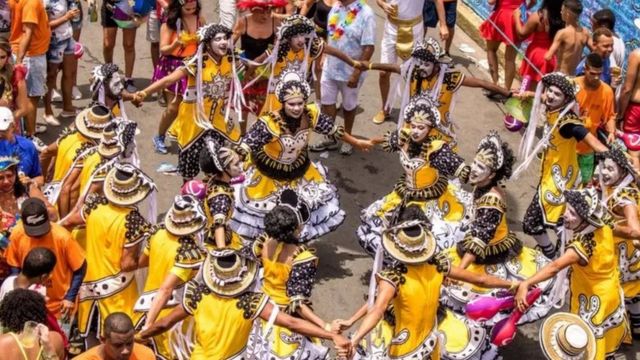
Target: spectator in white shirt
35 272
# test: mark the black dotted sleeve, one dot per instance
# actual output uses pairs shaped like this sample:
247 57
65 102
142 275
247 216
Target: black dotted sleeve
91 203
482 230
448 162
219 207
137 228
300 284
394 139
257 136
327 126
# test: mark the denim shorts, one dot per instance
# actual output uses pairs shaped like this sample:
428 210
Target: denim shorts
430 15
57 50
36 75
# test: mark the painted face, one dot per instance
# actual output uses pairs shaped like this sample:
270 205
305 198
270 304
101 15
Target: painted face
419 131
554 97
611 172
116 84
480 173
219 44
294 107
572 220
235 166
426 68
3 58
297 42
7 180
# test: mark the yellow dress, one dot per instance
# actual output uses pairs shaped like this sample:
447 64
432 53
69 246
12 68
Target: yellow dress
219 203
70 145
291 61
424 183
498 253
596 294
628 255
168 254
279 160
106 288
224 333
559 170
415 307
290 286
451 82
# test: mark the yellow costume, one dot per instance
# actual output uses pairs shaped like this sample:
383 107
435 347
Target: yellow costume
221 334
279 160
596 294
424 183
219 203
168 254
70 145
290 61
289 286
106 288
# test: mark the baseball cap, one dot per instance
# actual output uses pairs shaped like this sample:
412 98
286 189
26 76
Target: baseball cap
35 217
6 118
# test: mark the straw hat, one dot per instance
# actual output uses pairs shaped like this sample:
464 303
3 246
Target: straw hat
91 121
185 216
227 273
126 185
565 336
109 146
409 242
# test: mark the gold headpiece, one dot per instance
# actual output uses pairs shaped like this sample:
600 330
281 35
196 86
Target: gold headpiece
490 151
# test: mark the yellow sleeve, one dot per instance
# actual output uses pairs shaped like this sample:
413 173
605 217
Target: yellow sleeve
183 274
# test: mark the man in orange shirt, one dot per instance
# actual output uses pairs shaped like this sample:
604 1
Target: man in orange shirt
118 342
30 35
597 108
35 230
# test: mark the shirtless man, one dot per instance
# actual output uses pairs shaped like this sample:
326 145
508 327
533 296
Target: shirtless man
629 103
569 42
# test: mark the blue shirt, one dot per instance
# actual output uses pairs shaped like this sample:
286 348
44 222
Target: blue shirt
606 70
26 152
361 32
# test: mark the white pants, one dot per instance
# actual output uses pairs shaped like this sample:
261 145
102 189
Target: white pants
329 90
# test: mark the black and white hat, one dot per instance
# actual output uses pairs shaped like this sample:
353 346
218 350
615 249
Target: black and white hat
35 217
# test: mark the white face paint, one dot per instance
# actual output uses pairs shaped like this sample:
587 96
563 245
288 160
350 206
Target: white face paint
116 84
426 68
554 97
294 107
572 220
219 44
297 42
419 131
234 168
611 172
480 173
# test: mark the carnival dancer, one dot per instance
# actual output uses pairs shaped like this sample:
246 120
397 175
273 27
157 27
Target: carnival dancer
279 160
563 129
622 196
171 251
222 166
594 282
295 50
115 232
412 286
425 75
226 284
108 89
289 277
213 90
402 28
428 165
489 246
70 147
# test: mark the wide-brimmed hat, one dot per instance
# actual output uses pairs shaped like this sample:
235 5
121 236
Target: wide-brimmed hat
565 336
409 242
91 121
587 204
185 216
109 146
126 185
227 273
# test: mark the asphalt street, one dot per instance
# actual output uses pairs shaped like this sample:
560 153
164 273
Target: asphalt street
360 178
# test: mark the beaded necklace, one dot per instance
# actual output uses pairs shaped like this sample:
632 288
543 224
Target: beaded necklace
340 20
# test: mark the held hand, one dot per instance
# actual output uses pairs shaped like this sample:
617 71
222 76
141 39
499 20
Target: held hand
72 13
521 296
343 347
444 32
365 145
363 65
354 79
611 137
339 325
67 310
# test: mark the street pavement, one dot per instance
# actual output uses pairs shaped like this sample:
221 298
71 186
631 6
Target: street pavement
361 178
